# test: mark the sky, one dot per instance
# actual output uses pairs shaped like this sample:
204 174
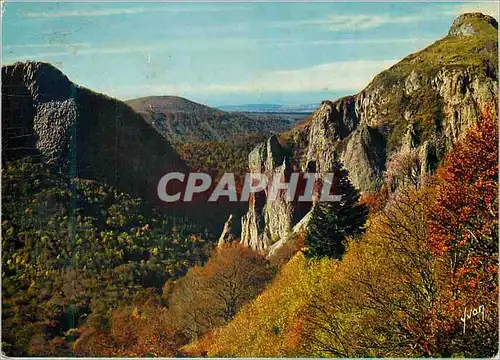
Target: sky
225 53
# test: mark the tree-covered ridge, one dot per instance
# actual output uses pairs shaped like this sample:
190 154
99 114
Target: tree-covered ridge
74 250
88 134
90 270
207 297
218 157
182 121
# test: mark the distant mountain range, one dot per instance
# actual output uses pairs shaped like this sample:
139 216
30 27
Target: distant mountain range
182 120
271 108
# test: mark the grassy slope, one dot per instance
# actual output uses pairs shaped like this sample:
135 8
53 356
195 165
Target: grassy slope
451 51
477 53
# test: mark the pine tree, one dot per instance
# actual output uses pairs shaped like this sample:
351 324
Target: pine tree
332 222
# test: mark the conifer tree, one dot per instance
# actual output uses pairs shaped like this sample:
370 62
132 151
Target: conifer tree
332 222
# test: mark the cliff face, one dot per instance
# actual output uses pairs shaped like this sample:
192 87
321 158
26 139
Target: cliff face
337 132
86 134
416 109
424 103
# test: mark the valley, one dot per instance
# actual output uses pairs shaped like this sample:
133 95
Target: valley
94 264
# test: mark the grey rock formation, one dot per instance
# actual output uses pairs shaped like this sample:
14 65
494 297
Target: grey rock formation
297 228
423 108
85 134
267 220
54 120
400 126
470 24
227 235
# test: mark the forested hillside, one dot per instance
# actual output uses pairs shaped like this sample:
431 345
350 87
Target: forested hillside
180 120
74 250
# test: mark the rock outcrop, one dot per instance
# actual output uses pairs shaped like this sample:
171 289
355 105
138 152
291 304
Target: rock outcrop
471 24
337 134
85 134
402 124
270 220
297 228
267 221
227 233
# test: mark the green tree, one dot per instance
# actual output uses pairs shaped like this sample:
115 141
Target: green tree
332 222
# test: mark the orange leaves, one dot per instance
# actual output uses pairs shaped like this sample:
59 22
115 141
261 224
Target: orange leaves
376 200
294 334
466 206
400 291
463 229
135 332
273 324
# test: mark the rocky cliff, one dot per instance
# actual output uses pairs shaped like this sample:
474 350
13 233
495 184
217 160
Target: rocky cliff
413 111
86 134
423 103
268 223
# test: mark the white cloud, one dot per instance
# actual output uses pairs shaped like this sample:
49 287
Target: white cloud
488 8
350 22
104 12
76 50
124 11
44 46
287 42
18 52
335 76
362 21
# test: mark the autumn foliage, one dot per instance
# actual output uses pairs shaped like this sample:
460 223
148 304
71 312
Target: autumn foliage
210 295
136 331
429 255
463 229
406 287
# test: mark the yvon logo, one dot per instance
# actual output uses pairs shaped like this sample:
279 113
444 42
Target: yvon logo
472 313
